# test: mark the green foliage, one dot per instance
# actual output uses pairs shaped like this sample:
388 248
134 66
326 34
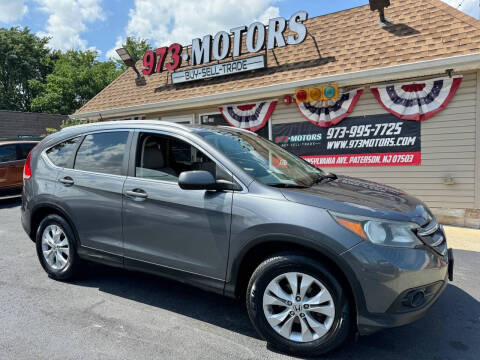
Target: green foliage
136 47
35 78
67 123
23 57
51 131
76 78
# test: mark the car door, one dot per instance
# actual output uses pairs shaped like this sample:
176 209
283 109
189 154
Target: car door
164 225
91 189
8 167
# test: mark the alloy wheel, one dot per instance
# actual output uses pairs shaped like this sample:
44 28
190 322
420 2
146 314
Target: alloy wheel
299 307
55 247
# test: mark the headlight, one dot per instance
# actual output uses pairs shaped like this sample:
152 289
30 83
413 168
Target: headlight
391 233
381 232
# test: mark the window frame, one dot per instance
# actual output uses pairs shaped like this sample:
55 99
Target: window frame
206 114
45 157
125 155
71 160
133 157
179 119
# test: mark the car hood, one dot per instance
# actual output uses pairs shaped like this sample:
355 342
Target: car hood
360 197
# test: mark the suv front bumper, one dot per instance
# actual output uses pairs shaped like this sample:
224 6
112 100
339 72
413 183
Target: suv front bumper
397 285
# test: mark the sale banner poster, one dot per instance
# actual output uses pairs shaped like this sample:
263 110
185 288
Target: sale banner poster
374 140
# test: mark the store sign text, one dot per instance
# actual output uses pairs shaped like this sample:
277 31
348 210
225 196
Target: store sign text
227 68
222 44
375 140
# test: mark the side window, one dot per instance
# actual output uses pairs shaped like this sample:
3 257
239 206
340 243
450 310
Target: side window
25 149
8 153
161 157
102 152
61 153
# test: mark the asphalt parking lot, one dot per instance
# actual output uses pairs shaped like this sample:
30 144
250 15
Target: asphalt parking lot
114 314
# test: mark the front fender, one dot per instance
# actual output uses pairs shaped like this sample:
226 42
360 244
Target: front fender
294 243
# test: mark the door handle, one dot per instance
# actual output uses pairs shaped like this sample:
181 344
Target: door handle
138 193
67 181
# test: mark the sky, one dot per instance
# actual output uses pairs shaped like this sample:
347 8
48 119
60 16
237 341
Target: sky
103 25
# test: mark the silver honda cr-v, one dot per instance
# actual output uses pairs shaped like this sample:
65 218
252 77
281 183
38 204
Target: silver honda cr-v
316 256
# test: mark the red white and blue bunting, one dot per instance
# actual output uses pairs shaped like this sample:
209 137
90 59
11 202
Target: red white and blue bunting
251 117
321 114
417 101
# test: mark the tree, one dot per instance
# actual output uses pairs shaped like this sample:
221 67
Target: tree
136 47
69 122
76 78
23 57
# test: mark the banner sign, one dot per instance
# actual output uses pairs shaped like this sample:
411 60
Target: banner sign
374 140
320 114
417 101
249 116
227 68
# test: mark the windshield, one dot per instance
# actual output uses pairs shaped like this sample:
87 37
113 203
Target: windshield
262 159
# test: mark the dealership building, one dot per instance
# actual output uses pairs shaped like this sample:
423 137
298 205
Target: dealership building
395 100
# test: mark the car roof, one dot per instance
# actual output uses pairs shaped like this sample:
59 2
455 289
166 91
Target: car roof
151 124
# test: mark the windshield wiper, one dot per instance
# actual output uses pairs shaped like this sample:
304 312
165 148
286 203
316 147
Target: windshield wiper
292 186
328 176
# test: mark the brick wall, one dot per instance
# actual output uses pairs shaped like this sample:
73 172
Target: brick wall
14 124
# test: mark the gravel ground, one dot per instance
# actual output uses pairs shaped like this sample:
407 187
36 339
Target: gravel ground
114 314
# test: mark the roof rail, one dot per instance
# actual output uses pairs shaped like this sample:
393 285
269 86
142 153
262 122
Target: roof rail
237 128
130 122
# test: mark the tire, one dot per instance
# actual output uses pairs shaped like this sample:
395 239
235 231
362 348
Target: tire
64 247
278 270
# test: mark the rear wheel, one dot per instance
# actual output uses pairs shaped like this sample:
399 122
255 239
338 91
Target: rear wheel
298 306
56 248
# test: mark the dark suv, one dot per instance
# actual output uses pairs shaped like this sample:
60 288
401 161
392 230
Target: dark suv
316 255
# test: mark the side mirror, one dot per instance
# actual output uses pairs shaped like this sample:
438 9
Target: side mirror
197 180
204 180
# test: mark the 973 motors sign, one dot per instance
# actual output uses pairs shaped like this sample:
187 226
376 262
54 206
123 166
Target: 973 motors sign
256 37
376 140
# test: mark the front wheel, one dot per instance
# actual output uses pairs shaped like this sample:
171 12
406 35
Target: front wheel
298 306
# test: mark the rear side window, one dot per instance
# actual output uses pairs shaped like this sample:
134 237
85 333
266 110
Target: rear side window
61 153
25 149
102 153
8 153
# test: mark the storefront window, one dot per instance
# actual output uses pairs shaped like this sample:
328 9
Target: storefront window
218 119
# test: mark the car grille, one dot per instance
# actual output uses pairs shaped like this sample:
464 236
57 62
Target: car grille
432 234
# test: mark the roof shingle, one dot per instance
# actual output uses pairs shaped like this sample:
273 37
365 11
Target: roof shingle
347 41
